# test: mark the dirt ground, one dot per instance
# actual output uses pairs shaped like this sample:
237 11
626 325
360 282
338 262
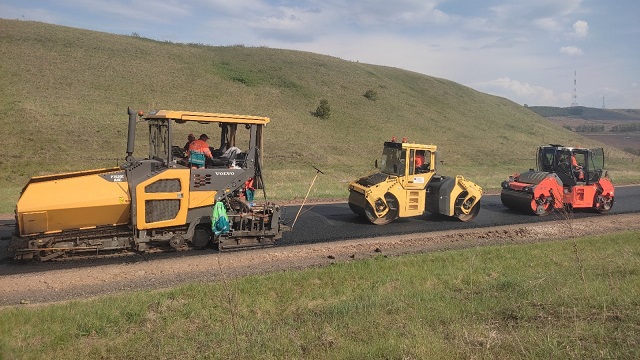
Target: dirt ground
35 283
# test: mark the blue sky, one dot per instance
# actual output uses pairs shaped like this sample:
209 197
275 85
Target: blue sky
523 50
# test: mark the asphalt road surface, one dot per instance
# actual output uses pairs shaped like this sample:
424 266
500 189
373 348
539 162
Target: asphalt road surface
331 222
335 221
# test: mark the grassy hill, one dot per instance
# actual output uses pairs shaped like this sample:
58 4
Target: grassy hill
587 113
64 94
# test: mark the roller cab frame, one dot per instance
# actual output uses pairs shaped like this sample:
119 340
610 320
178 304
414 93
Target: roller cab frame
565 177
157 201
403 189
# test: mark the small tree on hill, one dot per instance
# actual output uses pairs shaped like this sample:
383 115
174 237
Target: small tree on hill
324 110
371 95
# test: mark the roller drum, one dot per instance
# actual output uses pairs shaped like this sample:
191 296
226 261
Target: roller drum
357 203
517 200
360 206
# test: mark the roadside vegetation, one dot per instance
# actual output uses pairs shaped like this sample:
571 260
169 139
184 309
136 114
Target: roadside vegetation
64 93
566 299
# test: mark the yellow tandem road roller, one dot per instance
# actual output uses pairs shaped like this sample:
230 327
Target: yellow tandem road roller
407 185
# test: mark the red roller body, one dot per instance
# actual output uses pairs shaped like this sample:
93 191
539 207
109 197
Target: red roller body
566 177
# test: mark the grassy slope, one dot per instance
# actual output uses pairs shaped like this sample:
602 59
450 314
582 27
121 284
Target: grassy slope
558 300
64 94
588 113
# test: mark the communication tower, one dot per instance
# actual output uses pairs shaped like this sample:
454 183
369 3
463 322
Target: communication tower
574 101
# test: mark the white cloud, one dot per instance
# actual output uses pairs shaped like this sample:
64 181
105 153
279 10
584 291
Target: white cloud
28 13
287 21
105 15
307 21
523 92
544 14
537 9
517 87
581 28
547 24
400 13
571 50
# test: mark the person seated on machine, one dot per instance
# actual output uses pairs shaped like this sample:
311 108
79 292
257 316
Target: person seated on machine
420 165
190 138
578 173
564 164
199 151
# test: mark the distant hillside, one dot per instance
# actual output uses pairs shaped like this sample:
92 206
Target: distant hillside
64 94
587 113
615 127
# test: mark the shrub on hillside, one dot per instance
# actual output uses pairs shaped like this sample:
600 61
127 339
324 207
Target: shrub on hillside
371 95
323 110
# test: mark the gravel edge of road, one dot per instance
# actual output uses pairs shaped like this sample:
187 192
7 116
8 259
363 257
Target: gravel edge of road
35 284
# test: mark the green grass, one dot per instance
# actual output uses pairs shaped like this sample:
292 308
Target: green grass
10 195
64 93
587 113
503 302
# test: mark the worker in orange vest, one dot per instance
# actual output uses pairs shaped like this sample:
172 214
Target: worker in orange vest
198 151
419 162
577 168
